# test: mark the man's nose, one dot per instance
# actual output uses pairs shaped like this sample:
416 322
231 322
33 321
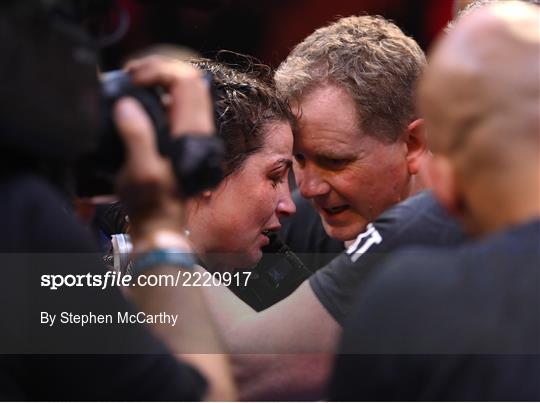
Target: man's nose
310 181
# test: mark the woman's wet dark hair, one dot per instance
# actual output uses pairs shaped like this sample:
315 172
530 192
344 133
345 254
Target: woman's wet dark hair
245 103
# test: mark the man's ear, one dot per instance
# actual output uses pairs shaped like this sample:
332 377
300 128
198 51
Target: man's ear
416 142
445 184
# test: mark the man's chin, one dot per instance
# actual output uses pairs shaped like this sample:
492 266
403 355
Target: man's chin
344 233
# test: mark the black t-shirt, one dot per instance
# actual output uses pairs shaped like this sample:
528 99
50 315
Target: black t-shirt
40 362
459 324
420 220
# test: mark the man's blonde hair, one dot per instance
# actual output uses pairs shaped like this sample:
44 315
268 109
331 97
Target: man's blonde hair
368 56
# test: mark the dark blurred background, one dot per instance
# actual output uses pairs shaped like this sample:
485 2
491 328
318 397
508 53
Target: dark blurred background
266 29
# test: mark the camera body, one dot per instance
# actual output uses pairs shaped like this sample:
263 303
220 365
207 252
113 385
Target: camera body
196 159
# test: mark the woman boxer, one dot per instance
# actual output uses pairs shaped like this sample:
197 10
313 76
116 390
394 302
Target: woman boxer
229 225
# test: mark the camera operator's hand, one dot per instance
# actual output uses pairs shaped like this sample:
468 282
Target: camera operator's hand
146 183
189 102
148 189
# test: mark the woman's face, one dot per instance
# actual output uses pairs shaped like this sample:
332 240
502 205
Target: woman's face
227 225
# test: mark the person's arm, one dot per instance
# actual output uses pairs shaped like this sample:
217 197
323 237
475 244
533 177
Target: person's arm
297 324
156 215
283 352
194 338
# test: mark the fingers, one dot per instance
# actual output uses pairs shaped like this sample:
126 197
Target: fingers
146 182
189 104
191 110
159 70
137 132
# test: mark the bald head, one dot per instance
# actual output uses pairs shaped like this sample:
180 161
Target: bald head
485 74
480 96
463 7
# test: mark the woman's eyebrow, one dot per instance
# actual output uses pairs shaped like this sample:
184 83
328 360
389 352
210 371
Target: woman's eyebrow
284 161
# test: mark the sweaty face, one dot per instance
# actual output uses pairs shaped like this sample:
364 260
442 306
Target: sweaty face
246 204
349 177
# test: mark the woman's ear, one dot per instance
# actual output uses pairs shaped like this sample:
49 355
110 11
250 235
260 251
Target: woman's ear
194 204
416 142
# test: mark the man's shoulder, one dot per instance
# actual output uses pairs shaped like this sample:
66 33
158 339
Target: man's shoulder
452 300
420 220
420 217
520 242
417 221
36 218
23 185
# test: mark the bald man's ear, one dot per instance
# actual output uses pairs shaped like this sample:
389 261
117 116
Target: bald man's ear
445 185
416 142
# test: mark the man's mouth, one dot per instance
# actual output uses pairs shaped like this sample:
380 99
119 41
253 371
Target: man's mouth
334 210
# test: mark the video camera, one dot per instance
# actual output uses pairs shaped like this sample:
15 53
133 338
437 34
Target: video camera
196 160
51 104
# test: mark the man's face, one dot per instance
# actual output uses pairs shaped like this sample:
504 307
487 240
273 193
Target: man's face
349 177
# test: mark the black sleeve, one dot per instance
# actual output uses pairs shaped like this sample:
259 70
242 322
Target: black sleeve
418 221
457 324
70 362
387 330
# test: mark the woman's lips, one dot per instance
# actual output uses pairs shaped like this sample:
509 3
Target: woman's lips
268 234
265 238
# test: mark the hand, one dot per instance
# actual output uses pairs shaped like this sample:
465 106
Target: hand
189 103
146 182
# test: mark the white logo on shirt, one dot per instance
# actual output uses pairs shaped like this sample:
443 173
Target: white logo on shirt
363 242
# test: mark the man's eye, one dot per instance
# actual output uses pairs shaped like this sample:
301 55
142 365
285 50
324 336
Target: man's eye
300 158
334 163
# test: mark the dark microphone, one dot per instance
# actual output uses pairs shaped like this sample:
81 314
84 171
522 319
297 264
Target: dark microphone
282 248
